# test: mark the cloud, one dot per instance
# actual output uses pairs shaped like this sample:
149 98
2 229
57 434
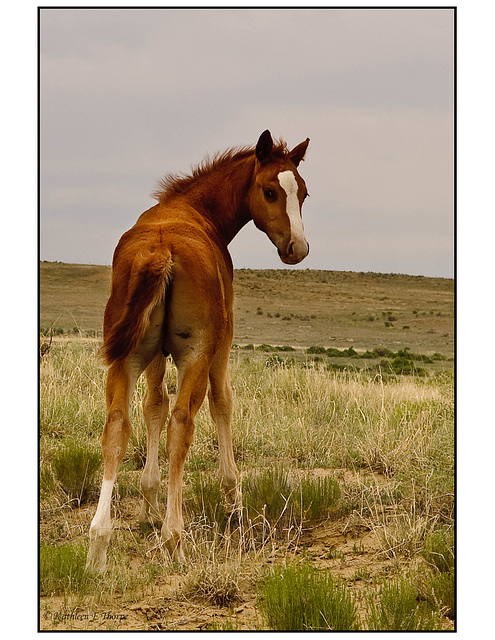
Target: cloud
130 95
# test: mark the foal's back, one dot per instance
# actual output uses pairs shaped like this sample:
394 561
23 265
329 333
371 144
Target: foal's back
173 255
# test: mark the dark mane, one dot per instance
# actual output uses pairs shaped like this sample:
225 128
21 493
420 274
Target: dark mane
175 184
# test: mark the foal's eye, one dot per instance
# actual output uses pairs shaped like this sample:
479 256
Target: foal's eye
269 194
306 195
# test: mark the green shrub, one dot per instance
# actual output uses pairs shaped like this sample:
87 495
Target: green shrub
302 598
270 493
439 356
205 500
333 353
267 493
403 363
368 355
266 348
317 497
350 353
316 350
438 551
62 569
281 499
382 352
75 467
399 609
439 586
440 592
48 483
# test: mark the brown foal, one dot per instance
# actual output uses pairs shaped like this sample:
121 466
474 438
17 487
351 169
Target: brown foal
172 294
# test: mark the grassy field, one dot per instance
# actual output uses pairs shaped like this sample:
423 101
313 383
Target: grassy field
287 307
347 475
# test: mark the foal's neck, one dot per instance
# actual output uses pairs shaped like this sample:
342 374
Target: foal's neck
221 197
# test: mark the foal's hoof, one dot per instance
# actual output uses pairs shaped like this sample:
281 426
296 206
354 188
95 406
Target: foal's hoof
147 527
172 541
97 553
149 520
150 514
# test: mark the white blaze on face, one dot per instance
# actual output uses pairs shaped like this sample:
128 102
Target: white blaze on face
288 182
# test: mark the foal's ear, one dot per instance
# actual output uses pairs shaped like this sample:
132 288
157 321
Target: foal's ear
297 154
264 146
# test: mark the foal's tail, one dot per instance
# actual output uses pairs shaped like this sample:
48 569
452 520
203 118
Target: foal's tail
149 278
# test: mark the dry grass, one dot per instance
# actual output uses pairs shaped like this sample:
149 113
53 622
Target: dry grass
388 443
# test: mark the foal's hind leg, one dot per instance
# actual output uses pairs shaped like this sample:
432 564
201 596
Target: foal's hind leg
220 402
155 409
193 381
121 380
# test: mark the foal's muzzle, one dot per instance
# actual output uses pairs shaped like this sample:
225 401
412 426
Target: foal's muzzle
295 252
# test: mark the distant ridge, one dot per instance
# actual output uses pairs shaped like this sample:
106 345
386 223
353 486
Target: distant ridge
298 307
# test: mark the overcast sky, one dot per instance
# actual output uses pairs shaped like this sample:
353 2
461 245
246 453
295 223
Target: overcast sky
128 95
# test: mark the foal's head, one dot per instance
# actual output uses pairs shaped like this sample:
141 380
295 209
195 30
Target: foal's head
276 197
